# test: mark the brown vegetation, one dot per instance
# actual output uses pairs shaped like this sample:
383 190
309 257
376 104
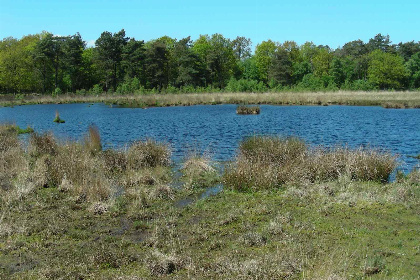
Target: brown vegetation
248 110
266 162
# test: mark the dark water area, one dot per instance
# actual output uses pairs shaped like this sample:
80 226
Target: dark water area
217 129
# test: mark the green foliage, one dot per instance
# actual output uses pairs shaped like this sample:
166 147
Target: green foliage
57 92
264 54
321 62
362 85
109 51
97 89
281 67
17 65
157 61
413 66
244 85
386 70
45 62
311 82
57 118
15 129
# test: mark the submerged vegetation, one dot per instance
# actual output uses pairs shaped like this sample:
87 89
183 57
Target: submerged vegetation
71 210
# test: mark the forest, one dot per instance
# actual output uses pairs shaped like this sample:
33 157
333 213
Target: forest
49 64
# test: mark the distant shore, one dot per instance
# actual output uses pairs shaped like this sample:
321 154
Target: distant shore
387 99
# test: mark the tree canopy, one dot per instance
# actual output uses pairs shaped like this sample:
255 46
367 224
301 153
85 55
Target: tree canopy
47 63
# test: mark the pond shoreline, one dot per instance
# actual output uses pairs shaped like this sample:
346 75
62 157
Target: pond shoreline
399 100
118 214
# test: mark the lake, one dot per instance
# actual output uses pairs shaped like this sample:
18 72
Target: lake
217 129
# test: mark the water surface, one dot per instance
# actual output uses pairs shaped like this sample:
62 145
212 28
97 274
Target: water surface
217 129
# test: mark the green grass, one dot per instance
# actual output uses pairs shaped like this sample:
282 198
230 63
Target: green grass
16 129
271 235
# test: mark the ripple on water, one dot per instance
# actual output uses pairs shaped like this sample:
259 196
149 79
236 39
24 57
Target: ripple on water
217 127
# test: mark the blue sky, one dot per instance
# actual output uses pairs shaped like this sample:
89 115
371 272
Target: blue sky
329 22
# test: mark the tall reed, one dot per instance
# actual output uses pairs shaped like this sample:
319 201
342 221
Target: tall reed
93 139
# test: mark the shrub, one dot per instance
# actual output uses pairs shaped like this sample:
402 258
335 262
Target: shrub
83 173
362 85
96 90
311 82
8 137
245 85
57 91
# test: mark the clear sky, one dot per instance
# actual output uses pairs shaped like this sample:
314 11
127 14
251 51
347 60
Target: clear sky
328 22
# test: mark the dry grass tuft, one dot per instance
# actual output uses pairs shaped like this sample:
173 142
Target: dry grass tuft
268 162
198 171
12 158
42 144
148 153
82 169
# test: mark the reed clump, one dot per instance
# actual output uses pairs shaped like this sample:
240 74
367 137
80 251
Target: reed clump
93 139
248 110
265 162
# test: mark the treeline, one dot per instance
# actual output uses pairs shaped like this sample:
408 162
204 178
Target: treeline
45 63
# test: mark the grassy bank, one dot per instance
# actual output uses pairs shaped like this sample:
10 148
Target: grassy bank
73 211
386 99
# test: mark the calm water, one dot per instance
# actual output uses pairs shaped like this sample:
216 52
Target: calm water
218 130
